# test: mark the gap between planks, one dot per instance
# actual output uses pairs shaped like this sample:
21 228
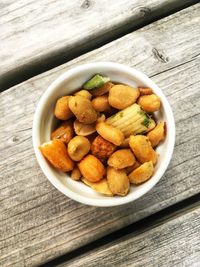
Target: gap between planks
134 229
53 58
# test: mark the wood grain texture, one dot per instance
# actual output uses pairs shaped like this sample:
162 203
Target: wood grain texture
175 242
37 223
38 33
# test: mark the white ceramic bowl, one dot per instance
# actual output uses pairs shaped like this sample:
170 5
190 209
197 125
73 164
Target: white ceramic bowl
44 121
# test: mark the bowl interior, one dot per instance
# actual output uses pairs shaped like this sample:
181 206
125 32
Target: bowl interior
44 122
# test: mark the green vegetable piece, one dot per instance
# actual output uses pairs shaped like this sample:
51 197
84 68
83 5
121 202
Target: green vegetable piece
132 120
146 122
96 82
147 118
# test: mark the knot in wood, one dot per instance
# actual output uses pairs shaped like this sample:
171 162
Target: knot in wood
15 139
145 11
160 56
86 4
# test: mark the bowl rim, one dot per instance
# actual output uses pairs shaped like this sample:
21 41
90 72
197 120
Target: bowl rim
108 202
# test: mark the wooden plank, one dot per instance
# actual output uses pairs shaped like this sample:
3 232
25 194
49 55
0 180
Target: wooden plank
38 223
175 242
36 35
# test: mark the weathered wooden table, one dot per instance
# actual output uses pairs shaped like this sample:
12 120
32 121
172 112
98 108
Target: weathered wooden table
40 40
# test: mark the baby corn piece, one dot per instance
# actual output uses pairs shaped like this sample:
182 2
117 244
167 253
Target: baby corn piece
132 120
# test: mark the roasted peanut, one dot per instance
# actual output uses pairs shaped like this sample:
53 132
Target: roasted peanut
145 90
76 174
118 181
142 173
100 187
78 147
82 109
121 159
101 104
56 153
121 96
84 93
142 148
157 134
110 133
102 90
149 103
102 148
91 168
64 132
84 129
133 167
62 111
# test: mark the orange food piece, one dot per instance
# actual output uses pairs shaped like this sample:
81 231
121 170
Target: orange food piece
145 90
91 168
102 90
84 129
102 148
62 111
101 104
121 96
142 173
142 148
76 174
157 134
82 109
149 103
64 132
121 159
55 152
118 181
110 133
